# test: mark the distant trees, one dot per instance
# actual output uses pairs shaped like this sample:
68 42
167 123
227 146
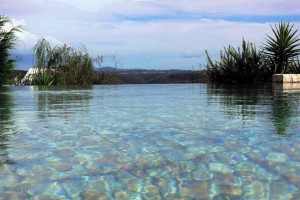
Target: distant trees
8 39
247 64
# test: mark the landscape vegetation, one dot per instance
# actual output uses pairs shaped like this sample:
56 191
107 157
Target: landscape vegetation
65 65
278 55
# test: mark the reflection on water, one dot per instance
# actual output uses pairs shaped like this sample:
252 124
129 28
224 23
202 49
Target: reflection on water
55 101
240 100
284 108
244 102
6 104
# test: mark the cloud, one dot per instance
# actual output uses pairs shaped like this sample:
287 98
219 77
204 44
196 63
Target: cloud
149 33
233 7
91 5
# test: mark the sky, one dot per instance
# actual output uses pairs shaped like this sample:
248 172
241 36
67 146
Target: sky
147 34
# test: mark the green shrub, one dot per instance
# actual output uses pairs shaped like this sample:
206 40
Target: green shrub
64 65
100 78
244 64
278 55
8 39
295 66
43 78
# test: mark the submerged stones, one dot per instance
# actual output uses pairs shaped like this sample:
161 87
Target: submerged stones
8 180
184 165
6 170
208 176
93 195
277 157
63 153
121 194
214 175
220 167
194 188
201 175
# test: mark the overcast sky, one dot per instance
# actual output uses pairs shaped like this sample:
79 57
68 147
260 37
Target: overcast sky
152 34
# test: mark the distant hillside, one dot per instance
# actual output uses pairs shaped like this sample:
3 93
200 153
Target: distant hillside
106 69
107 75
118 70
110 75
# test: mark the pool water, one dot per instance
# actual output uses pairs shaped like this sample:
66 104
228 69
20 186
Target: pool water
188 141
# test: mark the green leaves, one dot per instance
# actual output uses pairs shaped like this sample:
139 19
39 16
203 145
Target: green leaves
43 78
65 65
278 55
283 48
244 64
7 43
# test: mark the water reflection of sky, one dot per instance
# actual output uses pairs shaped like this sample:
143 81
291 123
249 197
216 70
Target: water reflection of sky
149 141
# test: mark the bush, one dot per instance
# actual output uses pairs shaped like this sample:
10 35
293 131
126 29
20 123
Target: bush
62 65
244 64
100 78
278 55
7 43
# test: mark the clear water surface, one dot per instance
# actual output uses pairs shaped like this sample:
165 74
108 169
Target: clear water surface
149 142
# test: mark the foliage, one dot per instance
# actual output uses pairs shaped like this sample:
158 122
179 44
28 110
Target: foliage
278 55
43 78
283 48
17 76
8 39
160 77
244 64
64 65
100 78
295 66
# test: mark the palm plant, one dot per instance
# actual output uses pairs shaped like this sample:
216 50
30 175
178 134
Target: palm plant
8 39
283 48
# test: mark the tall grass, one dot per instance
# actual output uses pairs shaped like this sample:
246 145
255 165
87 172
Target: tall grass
63 65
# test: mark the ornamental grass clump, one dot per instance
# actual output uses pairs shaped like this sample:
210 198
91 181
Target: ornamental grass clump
244 64
43 78
295 66
63 65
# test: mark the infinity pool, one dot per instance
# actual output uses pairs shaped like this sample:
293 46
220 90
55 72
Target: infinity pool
186 141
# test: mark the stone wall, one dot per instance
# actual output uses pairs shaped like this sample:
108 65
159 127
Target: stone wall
286 86
286 78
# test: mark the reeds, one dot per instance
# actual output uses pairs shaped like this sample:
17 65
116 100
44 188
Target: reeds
63 65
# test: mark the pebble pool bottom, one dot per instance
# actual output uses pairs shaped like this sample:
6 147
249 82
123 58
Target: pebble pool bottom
185 141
